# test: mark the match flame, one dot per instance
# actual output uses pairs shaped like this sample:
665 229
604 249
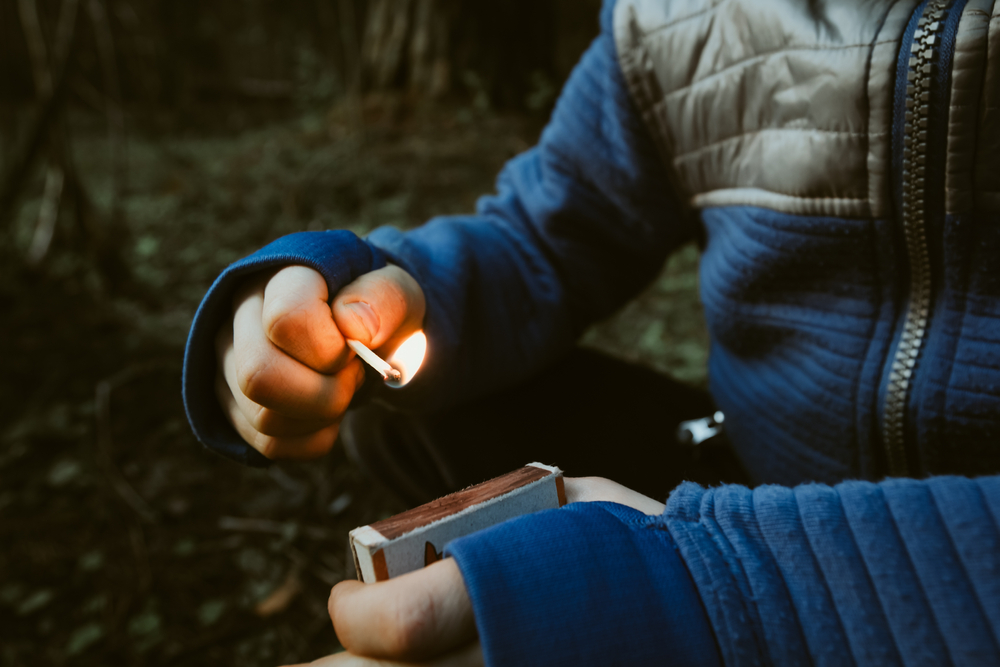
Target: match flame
407 358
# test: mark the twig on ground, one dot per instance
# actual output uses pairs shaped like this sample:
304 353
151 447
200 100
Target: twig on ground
112 87
105 442
138 539
282 596
52 87
32 27
283 528
352 62
304 562
324 574
246 625
65 31
48 215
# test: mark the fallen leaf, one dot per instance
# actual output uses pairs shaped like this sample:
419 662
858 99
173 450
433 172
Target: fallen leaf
280 597
83 637
211 611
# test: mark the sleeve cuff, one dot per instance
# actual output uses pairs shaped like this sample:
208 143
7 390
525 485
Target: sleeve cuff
588 584
339 256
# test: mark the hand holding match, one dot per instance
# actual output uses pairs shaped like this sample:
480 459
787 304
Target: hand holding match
373 360
285 372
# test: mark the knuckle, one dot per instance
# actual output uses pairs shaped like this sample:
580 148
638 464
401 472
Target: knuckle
395 298
265 422
268 446
282 321
253 380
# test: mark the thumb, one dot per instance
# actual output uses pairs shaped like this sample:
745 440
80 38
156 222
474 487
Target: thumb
380 308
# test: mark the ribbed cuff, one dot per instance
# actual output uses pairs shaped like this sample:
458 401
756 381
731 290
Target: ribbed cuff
588 584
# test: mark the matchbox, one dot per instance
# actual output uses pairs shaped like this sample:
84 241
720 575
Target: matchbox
410 540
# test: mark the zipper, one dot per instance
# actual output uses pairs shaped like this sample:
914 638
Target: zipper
925 57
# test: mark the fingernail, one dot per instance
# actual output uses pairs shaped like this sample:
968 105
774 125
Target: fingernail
367 316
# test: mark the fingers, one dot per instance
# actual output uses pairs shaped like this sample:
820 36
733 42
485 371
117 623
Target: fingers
411 617
286 376
470 656
381 308
308 446
267 376
593 489
266 420
296 317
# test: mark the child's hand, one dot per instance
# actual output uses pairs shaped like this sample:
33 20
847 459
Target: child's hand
285 374
424 618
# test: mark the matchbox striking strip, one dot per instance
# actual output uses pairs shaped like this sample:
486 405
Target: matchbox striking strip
410 540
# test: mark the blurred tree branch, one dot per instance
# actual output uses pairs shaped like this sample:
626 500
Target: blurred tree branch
32 26
47 129
51 83
113 100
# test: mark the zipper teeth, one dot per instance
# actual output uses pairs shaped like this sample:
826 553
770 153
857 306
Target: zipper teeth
921 71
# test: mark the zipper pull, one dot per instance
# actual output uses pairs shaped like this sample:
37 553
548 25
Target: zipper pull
699 431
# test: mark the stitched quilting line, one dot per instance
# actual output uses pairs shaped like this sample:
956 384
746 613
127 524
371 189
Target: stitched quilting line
867 568
913 568
967 43
797 199
746 62
738 574
986 504
965 570
824 576
764 130
683 19
694 535
953 367
795 608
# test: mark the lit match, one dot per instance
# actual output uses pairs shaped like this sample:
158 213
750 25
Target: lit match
402 364
375 361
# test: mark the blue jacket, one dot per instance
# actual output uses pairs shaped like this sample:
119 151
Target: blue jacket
805 312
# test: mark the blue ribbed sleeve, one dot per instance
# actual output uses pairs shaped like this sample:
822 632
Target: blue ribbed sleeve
904 572
589 584
578 225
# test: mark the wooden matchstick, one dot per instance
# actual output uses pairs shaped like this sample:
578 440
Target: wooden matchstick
375 361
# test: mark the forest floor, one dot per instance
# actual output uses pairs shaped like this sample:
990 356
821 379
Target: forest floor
124 542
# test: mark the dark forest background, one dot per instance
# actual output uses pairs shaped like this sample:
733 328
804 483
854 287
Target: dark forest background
146 144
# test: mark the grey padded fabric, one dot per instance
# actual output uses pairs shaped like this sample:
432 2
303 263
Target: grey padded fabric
987 169
788 104
967 71
881 82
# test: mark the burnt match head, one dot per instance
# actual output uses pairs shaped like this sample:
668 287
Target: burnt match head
393 375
